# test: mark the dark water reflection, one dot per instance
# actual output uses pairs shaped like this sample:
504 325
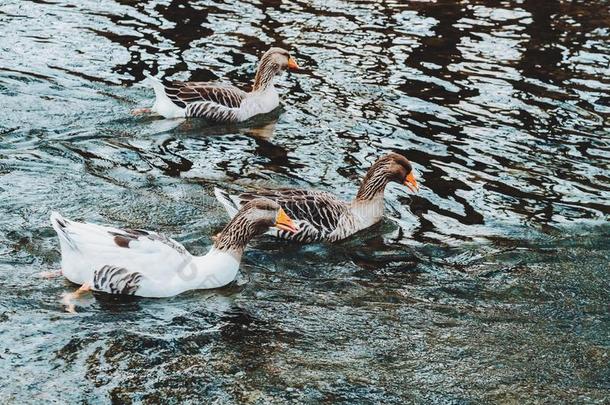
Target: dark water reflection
489 285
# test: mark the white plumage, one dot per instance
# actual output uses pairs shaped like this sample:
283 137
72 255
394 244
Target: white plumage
163 105
139 262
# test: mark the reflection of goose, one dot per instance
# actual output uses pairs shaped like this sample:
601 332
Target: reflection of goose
321 215
149 264
261 132
222 102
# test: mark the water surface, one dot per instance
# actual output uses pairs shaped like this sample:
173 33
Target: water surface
490 285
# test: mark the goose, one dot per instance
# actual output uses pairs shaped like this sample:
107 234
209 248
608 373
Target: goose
149 264
321 216
219 102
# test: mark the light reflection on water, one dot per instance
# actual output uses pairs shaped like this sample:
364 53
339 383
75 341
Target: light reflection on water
491 284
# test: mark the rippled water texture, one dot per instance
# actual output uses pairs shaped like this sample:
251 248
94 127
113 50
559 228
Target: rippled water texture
490 285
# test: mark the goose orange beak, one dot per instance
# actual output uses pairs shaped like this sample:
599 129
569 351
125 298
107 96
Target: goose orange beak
411 182
292 64
283 222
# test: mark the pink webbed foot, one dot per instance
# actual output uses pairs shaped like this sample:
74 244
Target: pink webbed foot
68 298
49 274
140 111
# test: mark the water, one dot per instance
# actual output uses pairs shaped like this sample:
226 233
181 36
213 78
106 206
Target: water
490 285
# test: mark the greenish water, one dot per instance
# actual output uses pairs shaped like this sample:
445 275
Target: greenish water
490 285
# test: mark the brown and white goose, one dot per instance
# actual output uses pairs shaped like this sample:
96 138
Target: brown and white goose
222 102
321 216
149 264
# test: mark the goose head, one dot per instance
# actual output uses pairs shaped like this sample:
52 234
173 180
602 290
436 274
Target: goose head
253 219
263 213
272 63
391 167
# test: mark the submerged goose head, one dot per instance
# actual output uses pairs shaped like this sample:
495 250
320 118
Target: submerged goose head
388 168
272 63
253 219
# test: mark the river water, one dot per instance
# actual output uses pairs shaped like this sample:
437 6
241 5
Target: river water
490 285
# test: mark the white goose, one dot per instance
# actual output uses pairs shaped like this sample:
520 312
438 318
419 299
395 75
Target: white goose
149 264
222 102
321 216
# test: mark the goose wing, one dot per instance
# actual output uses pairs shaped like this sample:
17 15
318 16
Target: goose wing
214 101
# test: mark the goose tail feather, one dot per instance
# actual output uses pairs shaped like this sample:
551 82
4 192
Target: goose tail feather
227 201
163 104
